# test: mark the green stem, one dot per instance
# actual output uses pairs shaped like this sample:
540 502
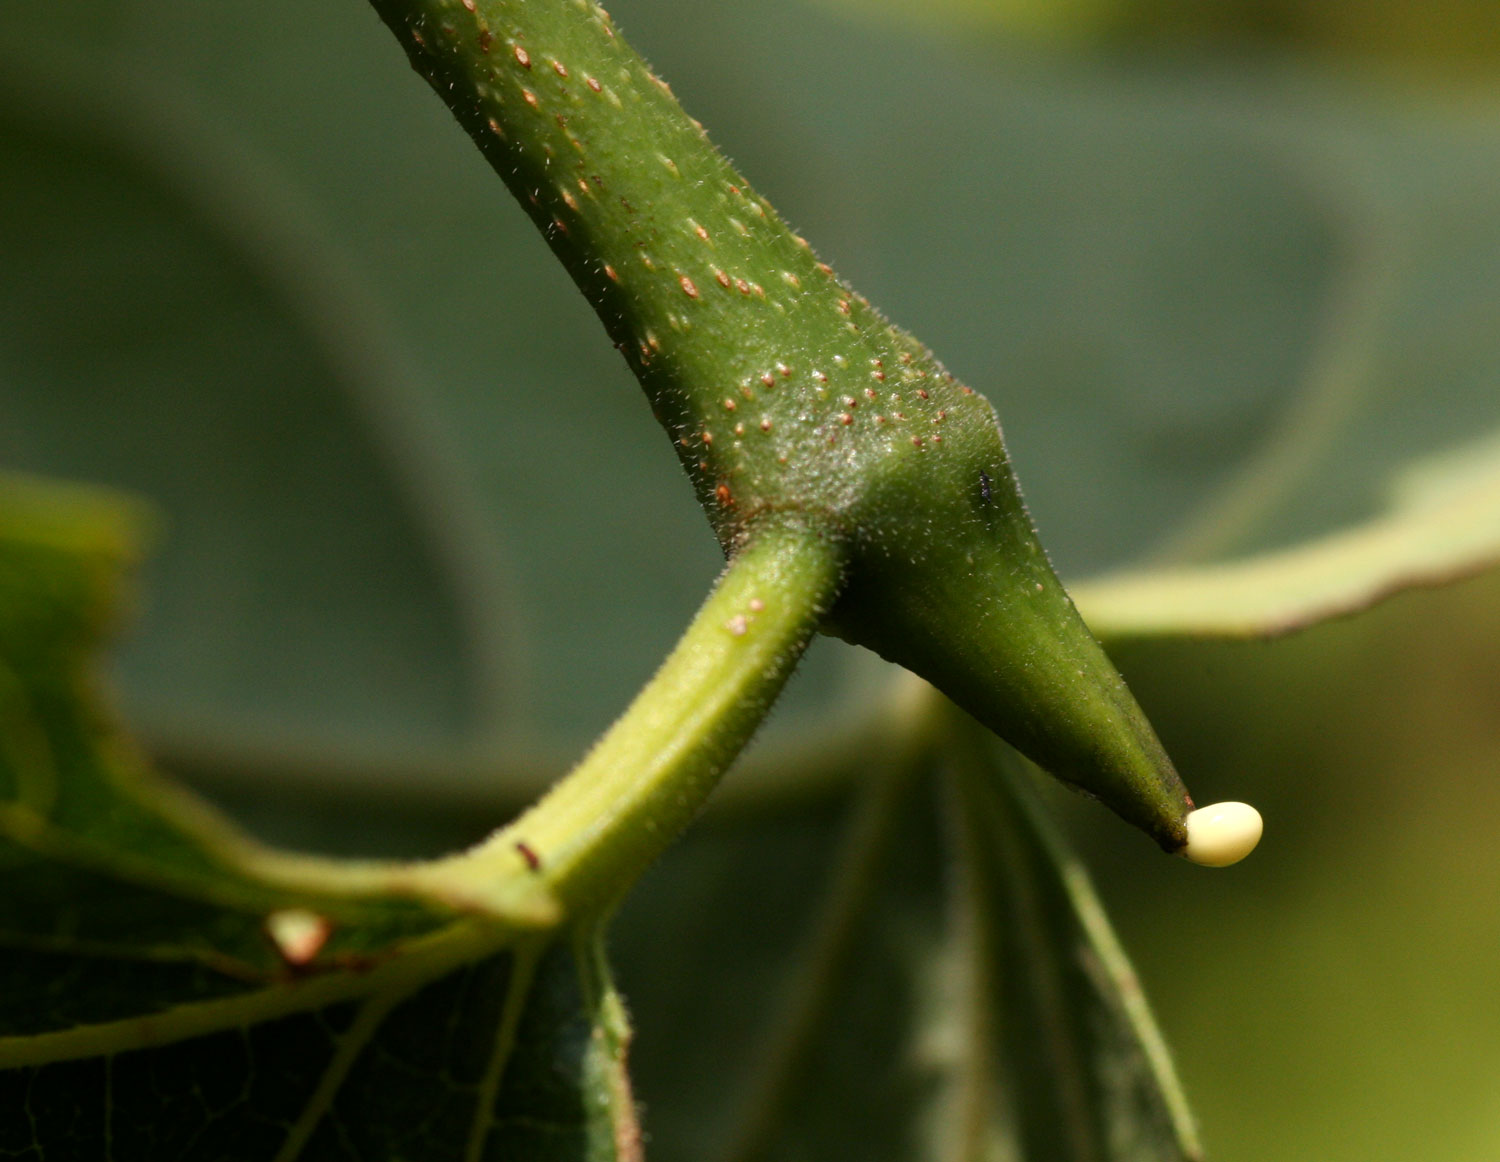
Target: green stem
589 838
784 392
745 344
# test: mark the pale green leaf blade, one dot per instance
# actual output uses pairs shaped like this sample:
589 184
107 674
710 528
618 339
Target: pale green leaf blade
1442 524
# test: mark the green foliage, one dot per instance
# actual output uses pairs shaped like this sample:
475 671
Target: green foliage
1437 36
965 996
155 1004
327 602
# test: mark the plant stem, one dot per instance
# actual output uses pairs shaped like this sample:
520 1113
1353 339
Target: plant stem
589 838
744 343
787 394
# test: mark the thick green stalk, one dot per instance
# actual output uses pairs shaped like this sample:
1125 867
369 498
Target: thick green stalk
784 391
588 839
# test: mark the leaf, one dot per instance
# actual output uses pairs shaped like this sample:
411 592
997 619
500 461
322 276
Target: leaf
1137 263
848 1066
97 853
501 1060
706 949
164 328
1443 524
354 484
951 991
170 990
1449 34
566 1092
1089 1076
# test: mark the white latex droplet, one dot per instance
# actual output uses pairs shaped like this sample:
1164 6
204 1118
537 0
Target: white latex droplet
299 935
1222 833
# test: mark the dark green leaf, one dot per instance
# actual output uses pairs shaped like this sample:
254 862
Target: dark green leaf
952 991
96 853
861 1060
165 329
168 990
504 1060
1084 1074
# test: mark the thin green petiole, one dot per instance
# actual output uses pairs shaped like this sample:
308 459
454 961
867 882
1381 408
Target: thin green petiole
588 839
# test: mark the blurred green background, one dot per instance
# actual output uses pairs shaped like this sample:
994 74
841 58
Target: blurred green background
1225 271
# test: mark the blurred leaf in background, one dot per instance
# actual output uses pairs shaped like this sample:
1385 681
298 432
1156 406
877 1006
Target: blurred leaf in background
1432 37
419 531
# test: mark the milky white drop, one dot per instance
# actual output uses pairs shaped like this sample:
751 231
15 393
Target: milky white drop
299 935
1222 833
